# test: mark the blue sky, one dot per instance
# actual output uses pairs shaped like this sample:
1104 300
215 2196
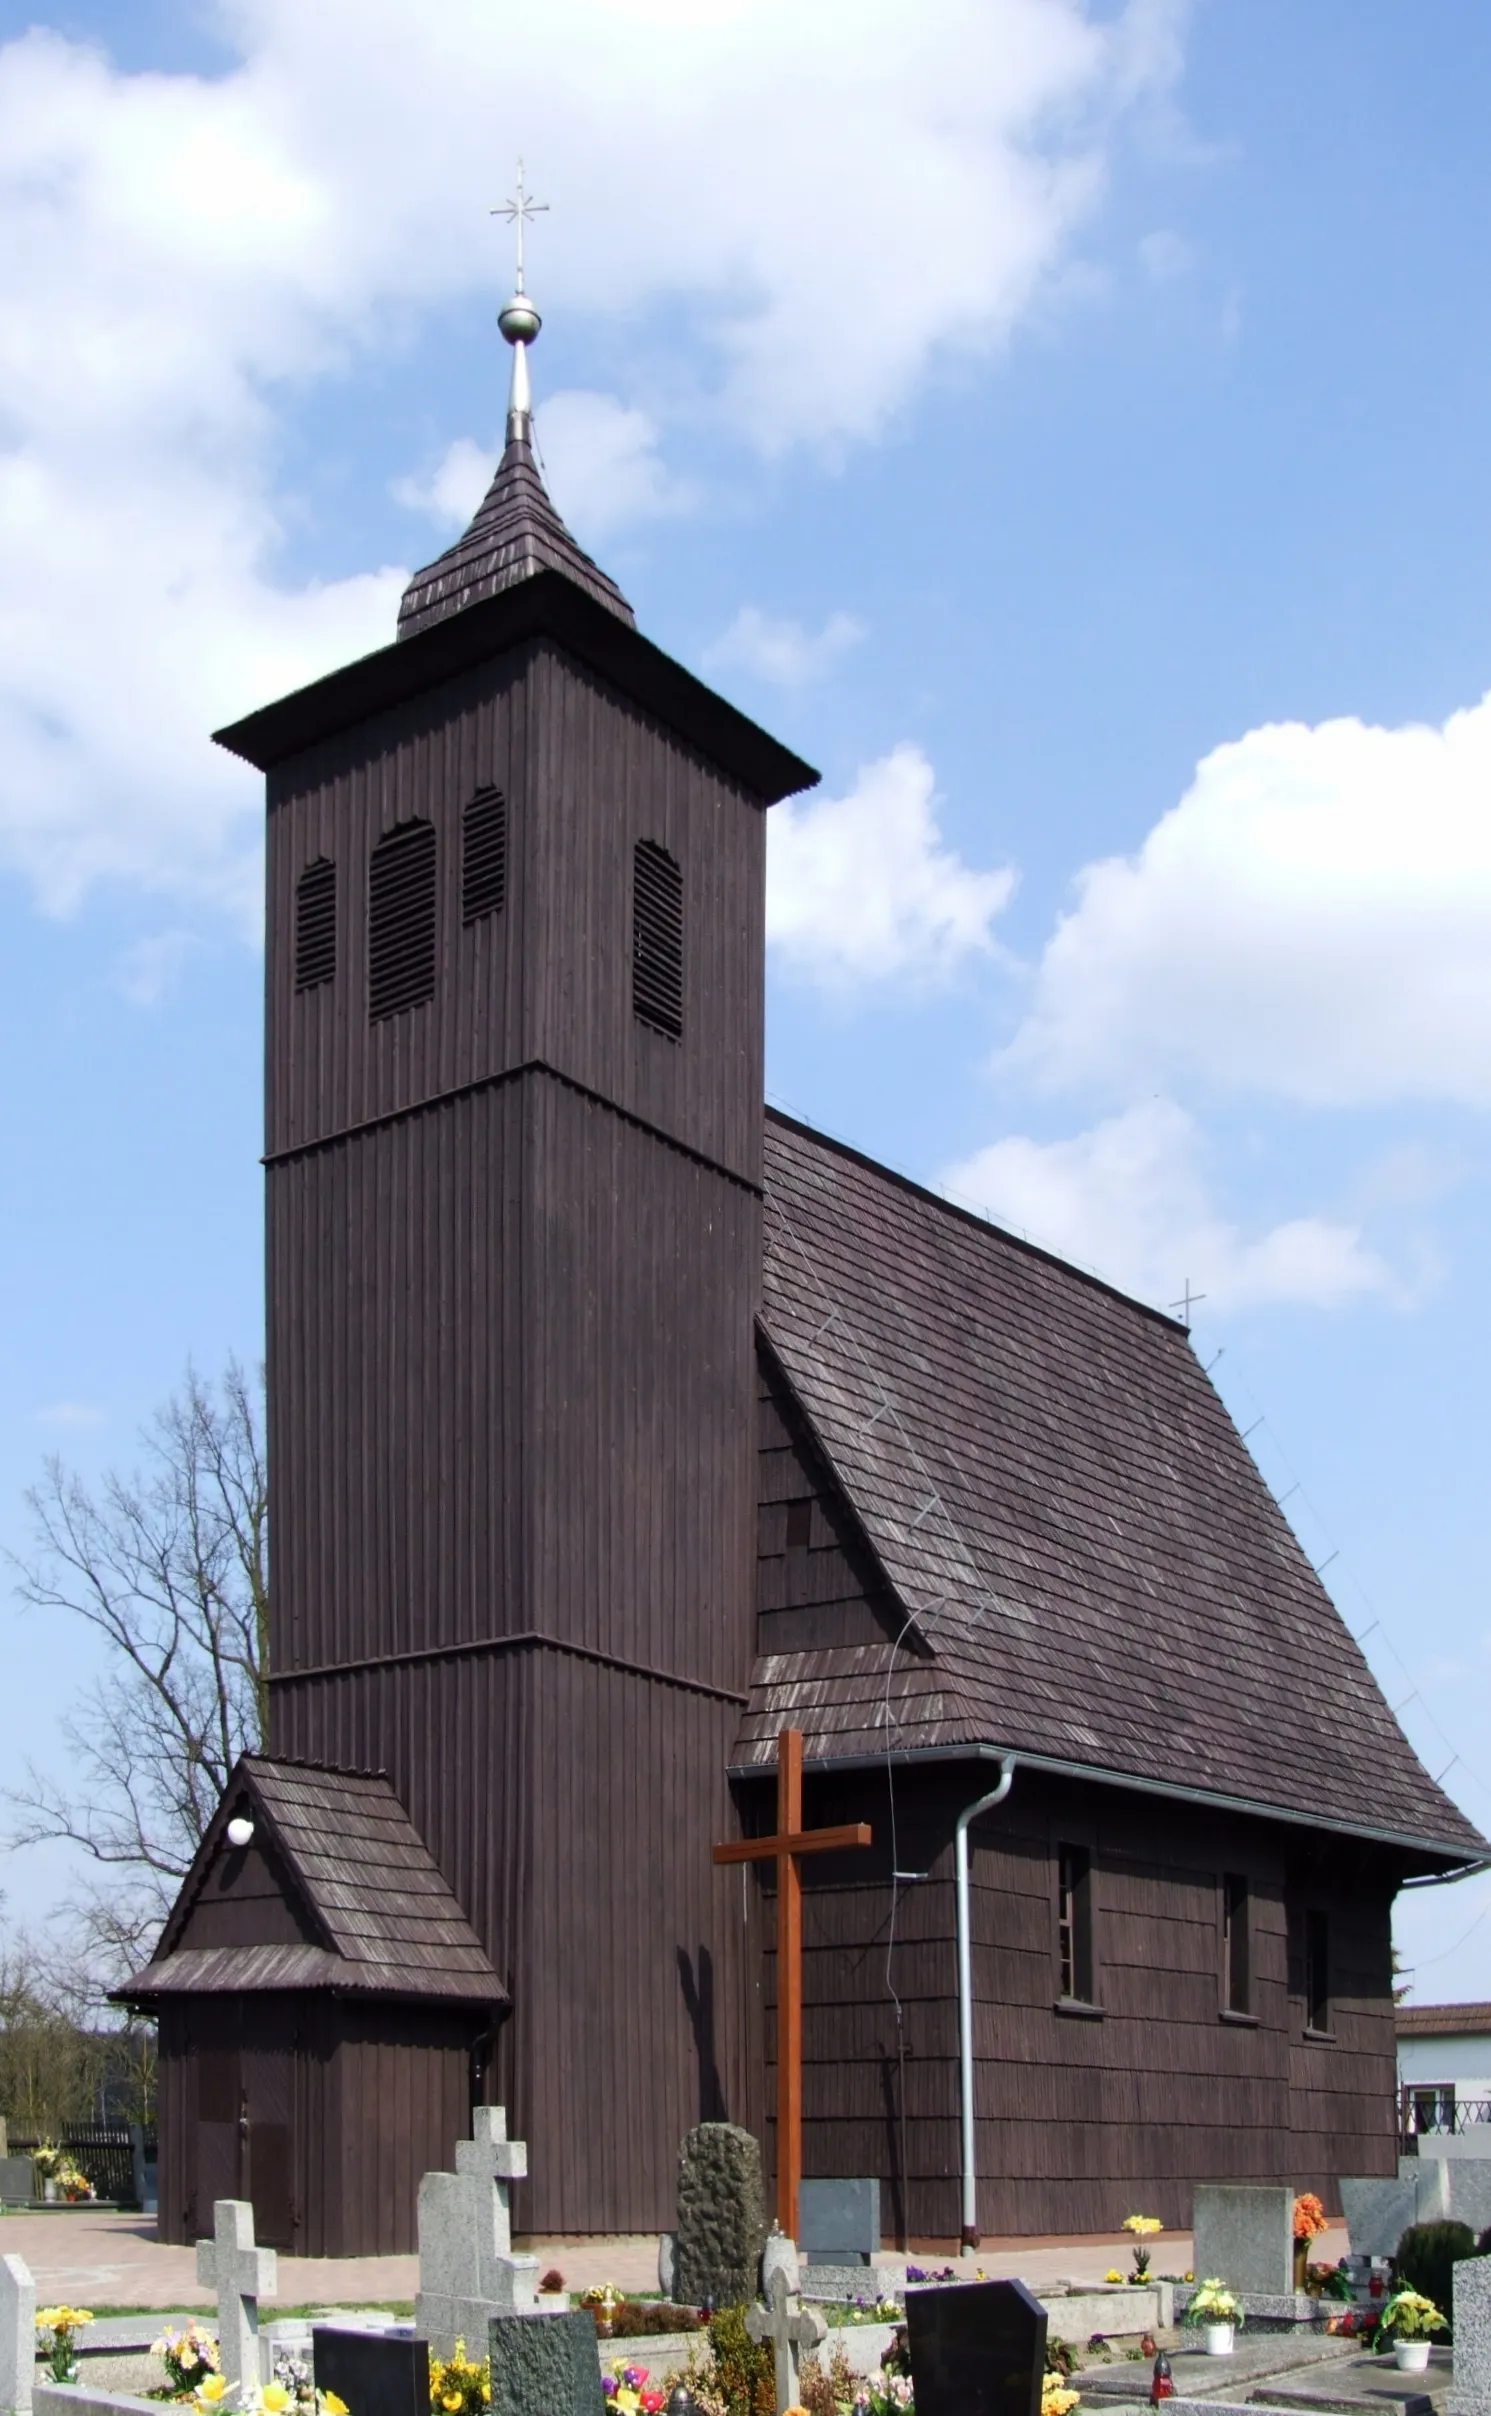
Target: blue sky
1065 426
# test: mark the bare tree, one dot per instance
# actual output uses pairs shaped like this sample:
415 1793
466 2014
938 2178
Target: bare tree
170 1567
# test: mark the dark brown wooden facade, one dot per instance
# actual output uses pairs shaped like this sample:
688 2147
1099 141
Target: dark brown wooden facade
514 1248
613 1424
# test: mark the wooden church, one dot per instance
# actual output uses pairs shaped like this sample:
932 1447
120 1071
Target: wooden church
616 1422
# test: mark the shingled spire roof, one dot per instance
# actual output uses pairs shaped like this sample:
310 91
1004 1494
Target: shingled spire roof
516 533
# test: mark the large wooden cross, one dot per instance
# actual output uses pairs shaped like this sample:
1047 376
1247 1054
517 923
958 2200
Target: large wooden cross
790 1840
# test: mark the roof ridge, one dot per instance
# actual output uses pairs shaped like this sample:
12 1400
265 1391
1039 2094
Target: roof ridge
971 1216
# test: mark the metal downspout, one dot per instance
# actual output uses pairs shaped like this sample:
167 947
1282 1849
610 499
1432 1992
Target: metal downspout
985 1803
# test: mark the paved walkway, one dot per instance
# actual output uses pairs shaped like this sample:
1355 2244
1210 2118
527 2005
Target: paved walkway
112 2260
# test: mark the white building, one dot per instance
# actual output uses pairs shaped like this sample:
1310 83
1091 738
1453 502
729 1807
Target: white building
1444 2068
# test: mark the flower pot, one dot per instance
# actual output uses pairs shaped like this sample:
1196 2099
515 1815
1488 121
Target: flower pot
1411 2357
1217 2339
49 2191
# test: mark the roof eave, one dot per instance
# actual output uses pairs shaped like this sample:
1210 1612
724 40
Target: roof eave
545 605
1453 1856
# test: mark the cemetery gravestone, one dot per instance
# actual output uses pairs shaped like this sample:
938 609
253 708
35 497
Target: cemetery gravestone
838 2222
979 2350
1377 2213
241 2275
17 2335
1244 2236
544 2365
467 2271
1471 2315
721 2216
376 2373
785 2322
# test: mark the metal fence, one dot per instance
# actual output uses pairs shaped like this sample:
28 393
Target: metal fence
1435 2111
104 2152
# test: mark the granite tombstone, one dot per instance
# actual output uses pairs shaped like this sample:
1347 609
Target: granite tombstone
721 2216
1244 2236
544 2365
978 2350
1470 2309
376 2373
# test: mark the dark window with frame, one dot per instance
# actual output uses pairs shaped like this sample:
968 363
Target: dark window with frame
800 1522
657 939
483 855
401 920
1236 1975
1317 1972
1074 1923
316 925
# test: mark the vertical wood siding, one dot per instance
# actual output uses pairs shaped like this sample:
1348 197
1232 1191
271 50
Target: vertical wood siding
514 1266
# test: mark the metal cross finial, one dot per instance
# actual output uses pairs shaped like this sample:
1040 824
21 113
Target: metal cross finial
1187 1302
517 211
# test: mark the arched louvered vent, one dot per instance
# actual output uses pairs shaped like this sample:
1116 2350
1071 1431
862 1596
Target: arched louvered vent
401 920
483 855
657 939
316 925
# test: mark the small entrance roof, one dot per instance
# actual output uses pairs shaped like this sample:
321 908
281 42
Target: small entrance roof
335 1889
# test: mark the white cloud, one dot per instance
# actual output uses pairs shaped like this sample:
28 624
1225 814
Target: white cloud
451 492
1313 920
151 967
783 651
1131 1199
181 257
862 889
70 1414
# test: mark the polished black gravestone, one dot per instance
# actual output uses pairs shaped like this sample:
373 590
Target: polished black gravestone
376 2373
977 2349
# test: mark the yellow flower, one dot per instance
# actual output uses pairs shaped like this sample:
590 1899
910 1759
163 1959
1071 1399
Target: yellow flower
275 2398
333 2405
1113 2274
1142 2226
212 2388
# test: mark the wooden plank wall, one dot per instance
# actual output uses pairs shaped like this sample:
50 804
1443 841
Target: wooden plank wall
549 978
1079 2119
514 1264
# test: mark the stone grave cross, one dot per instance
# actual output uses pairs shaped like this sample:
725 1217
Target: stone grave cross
241 2274
490 2156
467 2270
790 2327
17 2334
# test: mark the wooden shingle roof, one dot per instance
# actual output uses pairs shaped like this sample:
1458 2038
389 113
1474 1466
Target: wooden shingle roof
1055 1491
516 534
360 1906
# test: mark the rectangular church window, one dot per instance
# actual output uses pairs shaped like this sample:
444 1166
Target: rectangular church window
1236 1977
800 1523
1317 1973
316 925
401 920
657 939
483 855
1074 1923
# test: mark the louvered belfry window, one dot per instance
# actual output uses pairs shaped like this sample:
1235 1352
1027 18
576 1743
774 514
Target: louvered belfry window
401 920
657 939
483 855
316 924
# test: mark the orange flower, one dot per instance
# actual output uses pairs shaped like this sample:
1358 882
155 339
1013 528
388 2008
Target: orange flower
1309 2216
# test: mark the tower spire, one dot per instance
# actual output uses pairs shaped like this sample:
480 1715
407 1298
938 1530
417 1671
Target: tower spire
516 532
518 319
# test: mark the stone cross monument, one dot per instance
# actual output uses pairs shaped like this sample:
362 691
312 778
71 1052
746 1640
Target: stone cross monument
784 2321
241 2274
467 2271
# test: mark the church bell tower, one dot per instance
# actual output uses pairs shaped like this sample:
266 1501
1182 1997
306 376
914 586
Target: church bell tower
513 1150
